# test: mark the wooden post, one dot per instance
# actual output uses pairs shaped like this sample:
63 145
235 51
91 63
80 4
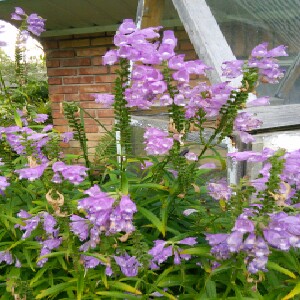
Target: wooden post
152 13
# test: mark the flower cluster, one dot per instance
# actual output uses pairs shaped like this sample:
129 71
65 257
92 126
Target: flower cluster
102 217
49 224
265 61
242 240
262 59
73 173
282 232
6 256
245 122
157 141
128 264
34 23
163 250
219 190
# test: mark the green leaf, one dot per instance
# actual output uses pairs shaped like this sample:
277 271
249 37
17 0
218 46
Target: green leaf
200 251
276 267
210 287
124 287
152 218
80 285
118 295
38 275
295 291
18 120
56 289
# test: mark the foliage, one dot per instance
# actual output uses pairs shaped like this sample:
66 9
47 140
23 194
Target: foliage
163 225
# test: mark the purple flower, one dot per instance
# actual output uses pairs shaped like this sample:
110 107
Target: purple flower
189 211
191 156
157 141
73 173
128 264
106 99
80 227
40 118
5 256
259 102
90 262
110 57
245 122
260 51
35 24
188 241
208 166
32 173
47 247
3 183
219 190
67 136
232 69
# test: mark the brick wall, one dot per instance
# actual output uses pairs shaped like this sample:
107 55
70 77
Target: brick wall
75 71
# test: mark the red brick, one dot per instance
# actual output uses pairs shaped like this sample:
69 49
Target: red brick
97 61
72 97
86 97
62 128
60 122
90 104
105 113
113 69
52 63
74 43
56 98
91 128
94 88
97 51
76 80
54 80
92 70
57 115
102 41
74 62
105 78
67 89
93 136
62 72
50 44
91 112
60 53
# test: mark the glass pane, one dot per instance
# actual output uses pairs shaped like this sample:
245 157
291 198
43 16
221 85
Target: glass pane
247 23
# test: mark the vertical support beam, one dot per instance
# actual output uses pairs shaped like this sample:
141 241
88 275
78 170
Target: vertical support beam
152 13
205 34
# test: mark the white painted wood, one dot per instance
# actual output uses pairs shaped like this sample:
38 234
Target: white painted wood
205 34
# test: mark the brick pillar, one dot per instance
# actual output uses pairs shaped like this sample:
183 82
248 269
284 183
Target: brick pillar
75 71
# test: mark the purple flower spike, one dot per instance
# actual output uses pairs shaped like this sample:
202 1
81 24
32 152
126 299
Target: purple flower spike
128 264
